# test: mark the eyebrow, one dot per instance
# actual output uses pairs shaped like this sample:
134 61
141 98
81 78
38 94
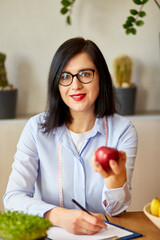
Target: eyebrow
83 69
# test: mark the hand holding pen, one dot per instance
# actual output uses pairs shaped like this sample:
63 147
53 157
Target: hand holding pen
75 221
82 208
84 230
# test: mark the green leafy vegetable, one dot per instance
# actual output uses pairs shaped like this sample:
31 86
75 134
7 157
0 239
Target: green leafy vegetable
19 226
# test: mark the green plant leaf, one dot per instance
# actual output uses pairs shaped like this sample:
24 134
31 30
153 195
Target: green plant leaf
133 31
128 31
139 23
144 1
127 24
67 8
130 19
66 3
138 2
68 20
133 11
142 13
64 10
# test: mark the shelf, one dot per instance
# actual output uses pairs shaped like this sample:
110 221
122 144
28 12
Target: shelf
139 116
19 119
145 116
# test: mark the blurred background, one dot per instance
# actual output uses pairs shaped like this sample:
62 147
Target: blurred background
32 30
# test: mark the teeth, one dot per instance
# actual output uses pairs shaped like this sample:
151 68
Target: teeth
78 96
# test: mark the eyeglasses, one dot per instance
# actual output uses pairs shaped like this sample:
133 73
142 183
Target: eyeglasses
84 76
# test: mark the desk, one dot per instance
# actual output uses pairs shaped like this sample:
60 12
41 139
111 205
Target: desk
138 222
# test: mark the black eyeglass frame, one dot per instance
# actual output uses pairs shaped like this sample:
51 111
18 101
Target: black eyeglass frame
77 74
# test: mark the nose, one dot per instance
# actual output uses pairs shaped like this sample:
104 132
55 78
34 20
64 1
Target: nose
76 84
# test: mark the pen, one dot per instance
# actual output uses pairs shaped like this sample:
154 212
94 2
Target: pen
82 208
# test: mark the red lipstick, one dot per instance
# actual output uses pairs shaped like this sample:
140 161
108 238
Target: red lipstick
78 97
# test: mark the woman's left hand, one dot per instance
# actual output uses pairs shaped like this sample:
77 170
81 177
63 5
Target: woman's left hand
116 176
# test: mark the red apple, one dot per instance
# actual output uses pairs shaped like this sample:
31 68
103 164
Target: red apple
104 154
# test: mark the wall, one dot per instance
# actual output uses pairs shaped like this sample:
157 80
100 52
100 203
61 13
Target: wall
145 182
32 30
9 134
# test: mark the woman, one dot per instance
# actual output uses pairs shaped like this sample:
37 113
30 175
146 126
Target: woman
53 159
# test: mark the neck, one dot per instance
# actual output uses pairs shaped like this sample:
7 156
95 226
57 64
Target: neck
82 123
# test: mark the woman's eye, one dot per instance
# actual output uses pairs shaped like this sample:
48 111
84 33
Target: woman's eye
84 74
65 76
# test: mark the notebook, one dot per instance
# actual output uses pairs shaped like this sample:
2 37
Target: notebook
56 233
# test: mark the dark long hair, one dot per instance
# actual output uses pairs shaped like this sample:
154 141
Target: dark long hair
57 111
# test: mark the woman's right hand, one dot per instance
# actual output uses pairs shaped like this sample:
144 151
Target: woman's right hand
75 221
116 176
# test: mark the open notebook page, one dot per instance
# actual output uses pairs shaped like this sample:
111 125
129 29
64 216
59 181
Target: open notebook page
57 233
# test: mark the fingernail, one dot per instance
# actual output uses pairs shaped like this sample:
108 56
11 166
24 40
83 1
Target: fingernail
96 164
112 162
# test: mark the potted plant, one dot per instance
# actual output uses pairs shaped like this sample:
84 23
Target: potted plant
125 91
8 94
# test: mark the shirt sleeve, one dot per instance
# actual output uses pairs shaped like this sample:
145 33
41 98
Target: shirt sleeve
119 199
21 184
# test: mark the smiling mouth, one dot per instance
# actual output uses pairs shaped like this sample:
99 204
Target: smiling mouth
78 97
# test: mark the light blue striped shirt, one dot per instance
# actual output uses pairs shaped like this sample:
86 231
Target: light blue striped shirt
33 183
